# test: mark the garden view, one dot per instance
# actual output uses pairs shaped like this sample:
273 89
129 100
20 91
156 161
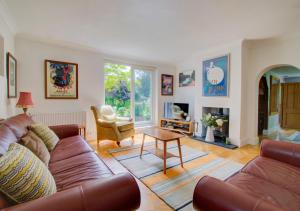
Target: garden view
118 91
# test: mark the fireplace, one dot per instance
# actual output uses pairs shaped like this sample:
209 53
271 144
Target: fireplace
221 135
221 113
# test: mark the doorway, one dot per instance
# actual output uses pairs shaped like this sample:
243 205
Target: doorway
279 103
263 99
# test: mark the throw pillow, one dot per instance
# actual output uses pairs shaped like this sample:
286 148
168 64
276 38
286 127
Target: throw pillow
23 177
37 146
110 117
49 138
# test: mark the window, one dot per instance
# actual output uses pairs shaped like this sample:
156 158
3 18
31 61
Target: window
129 91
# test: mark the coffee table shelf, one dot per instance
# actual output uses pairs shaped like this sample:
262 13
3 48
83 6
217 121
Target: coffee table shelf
160 153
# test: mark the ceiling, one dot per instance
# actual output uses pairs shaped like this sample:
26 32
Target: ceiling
165 31
286 71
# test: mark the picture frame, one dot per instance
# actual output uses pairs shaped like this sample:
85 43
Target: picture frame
186 78
215 76
11 67
167 85
61 80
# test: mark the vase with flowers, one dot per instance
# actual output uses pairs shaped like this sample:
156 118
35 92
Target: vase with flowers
211 122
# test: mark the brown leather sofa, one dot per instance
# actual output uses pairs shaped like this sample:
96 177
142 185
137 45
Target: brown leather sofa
269 182
83 181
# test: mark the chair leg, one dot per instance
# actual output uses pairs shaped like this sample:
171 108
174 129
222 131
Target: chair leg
132 139
98 144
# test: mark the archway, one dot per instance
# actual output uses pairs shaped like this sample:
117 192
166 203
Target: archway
277 114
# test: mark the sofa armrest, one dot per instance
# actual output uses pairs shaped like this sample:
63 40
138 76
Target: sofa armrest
65 131
106 123
281 151
119 192
214 194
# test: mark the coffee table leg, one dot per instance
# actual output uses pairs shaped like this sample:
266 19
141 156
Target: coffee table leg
180 155
156 142
142 147
165 156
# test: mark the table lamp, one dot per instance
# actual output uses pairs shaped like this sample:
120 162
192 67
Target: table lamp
25 101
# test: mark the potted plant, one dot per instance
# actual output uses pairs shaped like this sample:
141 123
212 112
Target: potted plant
211 122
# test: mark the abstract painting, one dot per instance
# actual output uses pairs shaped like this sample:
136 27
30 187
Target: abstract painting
61 80
187 78
11 66
216 76
166 85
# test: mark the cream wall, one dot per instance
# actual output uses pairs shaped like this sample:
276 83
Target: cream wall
31 55
193 95
7 106
262 56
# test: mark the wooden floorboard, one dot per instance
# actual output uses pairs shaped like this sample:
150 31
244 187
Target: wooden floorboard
149 200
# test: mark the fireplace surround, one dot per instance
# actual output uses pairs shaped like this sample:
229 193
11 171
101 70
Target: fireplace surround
221 135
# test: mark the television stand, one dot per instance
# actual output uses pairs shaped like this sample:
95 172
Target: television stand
181 126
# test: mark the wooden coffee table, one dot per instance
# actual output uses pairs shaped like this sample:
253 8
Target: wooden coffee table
165 136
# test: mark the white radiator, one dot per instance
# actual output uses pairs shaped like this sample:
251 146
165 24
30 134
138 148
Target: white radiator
60 118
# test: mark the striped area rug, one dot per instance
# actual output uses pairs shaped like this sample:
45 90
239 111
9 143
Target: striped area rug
177 186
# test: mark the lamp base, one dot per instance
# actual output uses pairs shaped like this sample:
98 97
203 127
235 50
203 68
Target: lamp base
25 110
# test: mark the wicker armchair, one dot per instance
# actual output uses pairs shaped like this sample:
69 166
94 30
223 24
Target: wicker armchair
111 127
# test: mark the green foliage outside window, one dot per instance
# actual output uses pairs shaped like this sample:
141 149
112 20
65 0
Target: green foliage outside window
117 88
118 91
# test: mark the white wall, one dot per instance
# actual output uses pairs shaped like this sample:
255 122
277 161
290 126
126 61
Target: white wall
193 95
31 55
262 56
7 106
250 59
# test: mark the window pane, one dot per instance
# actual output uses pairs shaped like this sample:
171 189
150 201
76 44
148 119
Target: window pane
142 95
117 88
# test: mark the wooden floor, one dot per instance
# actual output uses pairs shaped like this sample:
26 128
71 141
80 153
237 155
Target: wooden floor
149 200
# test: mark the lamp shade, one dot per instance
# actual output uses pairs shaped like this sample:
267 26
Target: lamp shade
25 100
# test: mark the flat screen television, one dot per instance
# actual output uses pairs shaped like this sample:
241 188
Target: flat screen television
176 110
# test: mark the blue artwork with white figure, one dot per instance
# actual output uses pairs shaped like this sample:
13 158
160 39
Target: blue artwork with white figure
215 76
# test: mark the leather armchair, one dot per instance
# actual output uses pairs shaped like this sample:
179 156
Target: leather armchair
214 194
111 127
259 185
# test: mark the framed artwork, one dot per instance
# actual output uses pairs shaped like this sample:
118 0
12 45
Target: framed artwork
167 85
61 80
216 76
11 66
187 78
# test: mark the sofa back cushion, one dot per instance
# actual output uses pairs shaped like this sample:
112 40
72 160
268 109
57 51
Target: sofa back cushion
23 177
6 138
18 124
37 146
49 138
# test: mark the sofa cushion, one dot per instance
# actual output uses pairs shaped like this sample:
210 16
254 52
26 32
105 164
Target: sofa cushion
276 172
37 146
19 124
6 138
267 191
49 138
23 177
123 126
111 117
75 170
69 147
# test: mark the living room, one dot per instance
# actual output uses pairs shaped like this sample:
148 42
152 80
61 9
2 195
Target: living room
138 82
